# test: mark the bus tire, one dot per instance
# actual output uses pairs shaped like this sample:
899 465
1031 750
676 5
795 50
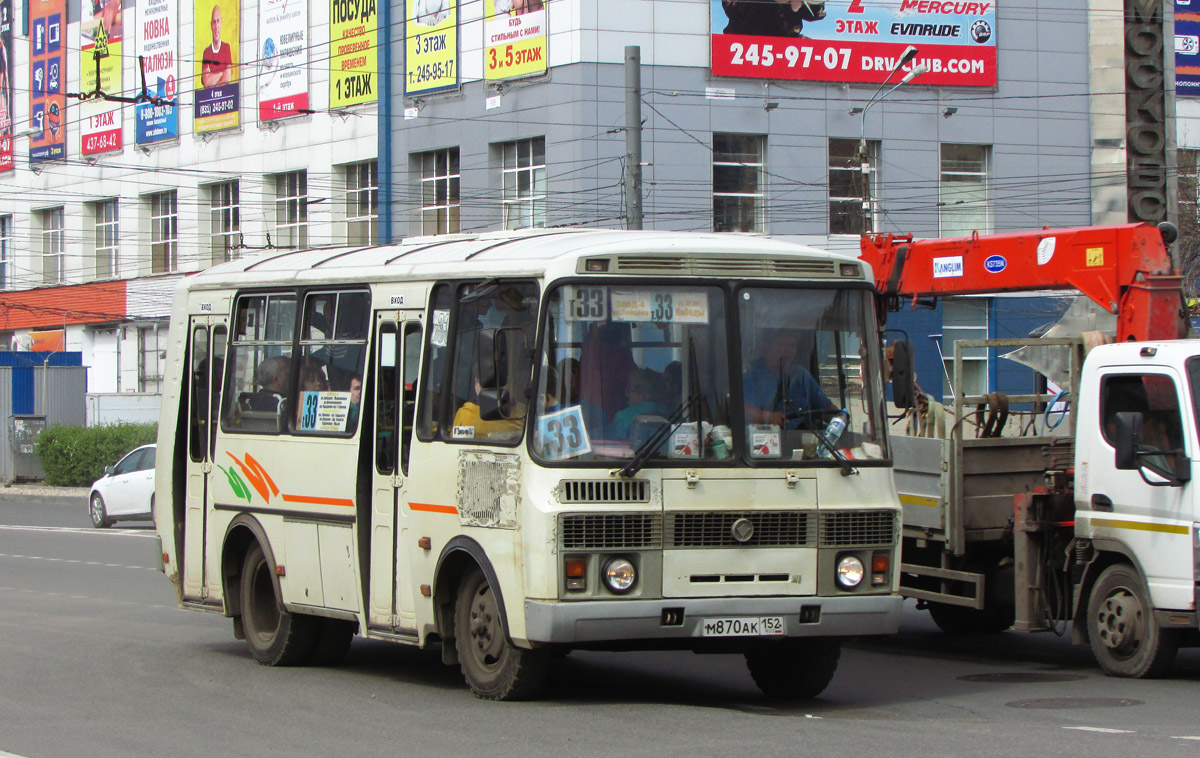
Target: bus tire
333 639
493 667
274 636
795 669
1121 628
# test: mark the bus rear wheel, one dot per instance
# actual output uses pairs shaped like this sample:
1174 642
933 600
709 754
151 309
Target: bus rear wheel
494 668
795 669
275 637
1121 629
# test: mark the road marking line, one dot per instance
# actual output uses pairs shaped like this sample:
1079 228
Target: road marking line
10 755
1100 729
78 530
1186 738
76 560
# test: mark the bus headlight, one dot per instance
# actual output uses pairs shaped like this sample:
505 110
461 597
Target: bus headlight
849 571
619 575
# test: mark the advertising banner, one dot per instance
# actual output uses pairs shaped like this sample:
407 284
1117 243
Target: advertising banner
218 36
514 34
158 43
47 80
6 88
1187 48
282 59
855 40
100 64
353 59
431 45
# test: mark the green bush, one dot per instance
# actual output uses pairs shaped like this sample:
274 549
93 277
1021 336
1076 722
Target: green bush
75 456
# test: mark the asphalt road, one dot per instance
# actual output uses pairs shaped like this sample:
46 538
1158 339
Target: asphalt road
97 660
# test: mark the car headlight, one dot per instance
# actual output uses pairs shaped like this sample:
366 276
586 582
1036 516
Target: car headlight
849 571
619 575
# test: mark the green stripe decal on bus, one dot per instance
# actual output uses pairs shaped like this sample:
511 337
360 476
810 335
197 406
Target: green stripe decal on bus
1141 526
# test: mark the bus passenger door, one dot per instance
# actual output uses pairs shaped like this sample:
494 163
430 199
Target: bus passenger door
207 358
397 356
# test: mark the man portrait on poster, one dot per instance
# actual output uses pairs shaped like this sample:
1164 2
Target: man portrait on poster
217 64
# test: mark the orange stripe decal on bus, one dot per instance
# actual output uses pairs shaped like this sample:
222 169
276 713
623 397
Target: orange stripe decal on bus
318 500
429 508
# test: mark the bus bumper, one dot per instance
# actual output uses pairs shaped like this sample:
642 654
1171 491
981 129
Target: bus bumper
682 618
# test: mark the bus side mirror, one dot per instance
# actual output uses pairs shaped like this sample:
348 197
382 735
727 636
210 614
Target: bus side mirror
1128 438
492 356
495 405
904 386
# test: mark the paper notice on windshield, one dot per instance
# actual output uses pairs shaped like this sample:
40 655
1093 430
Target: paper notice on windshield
324 411
660 306
441 328
764 440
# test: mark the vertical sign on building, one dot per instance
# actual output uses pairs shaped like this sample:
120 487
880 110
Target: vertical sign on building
157 43
1187 48
218 36
6 88
47 80
1145 111
282 58
100 64
430 45
353 61
514 33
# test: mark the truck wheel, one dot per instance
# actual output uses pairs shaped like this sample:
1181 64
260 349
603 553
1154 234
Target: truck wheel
494 668
957 619
275 637
1121 628
795 669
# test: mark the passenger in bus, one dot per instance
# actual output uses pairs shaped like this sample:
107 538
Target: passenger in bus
644 387
273 375
468 417
355 400
777 387
605 363
672 391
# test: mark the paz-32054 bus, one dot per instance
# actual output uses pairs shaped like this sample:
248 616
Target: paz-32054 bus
513 444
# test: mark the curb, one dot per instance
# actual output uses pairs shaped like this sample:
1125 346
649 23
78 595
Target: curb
44 496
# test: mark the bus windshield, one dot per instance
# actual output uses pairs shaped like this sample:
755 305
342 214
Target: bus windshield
652 371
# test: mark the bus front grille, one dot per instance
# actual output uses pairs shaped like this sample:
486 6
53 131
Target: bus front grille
857 528
604 491
610 531
758 529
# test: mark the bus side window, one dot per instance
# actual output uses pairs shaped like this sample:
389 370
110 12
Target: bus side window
333 351
432 398
256 395
386 434
198 417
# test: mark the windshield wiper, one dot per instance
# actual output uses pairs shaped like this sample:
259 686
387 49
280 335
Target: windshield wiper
847 468
647 448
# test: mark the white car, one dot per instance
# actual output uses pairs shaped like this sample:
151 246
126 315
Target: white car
126 491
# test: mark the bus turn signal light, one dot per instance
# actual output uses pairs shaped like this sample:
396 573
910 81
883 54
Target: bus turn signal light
879 569
576 571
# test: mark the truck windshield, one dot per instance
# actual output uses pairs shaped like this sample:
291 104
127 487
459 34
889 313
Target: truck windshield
650 373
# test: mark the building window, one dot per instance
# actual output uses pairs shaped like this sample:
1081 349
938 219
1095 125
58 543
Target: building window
54 249
439 191
152 358
6 255
963 195
107 239
523 170
164 232
739 202
225 219
853 187
965 319
362 203
291 209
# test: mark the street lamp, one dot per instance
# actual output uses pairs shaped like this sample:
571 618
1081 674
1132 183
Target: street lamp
906 57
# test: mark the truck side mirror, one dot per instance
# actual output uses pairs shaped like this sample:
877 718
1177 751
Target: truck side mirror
904 386
1128 438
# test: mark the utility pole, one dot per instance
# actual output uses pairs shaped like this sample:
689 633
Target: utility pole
633 137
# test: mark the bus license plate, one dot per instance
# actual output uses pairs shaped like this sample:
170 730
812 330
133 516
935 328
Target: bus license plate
763 626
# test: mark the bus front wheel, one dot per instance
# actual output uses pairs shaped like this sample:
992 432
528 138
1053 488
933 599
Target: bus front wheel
275 637
494 668
794 669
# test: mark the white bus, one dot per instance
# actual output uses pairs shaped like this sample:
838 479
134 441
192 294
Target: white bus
516 444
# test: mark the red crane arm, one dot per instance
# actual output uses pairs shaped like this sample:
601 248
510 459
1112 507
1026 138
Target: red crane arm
1125 268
